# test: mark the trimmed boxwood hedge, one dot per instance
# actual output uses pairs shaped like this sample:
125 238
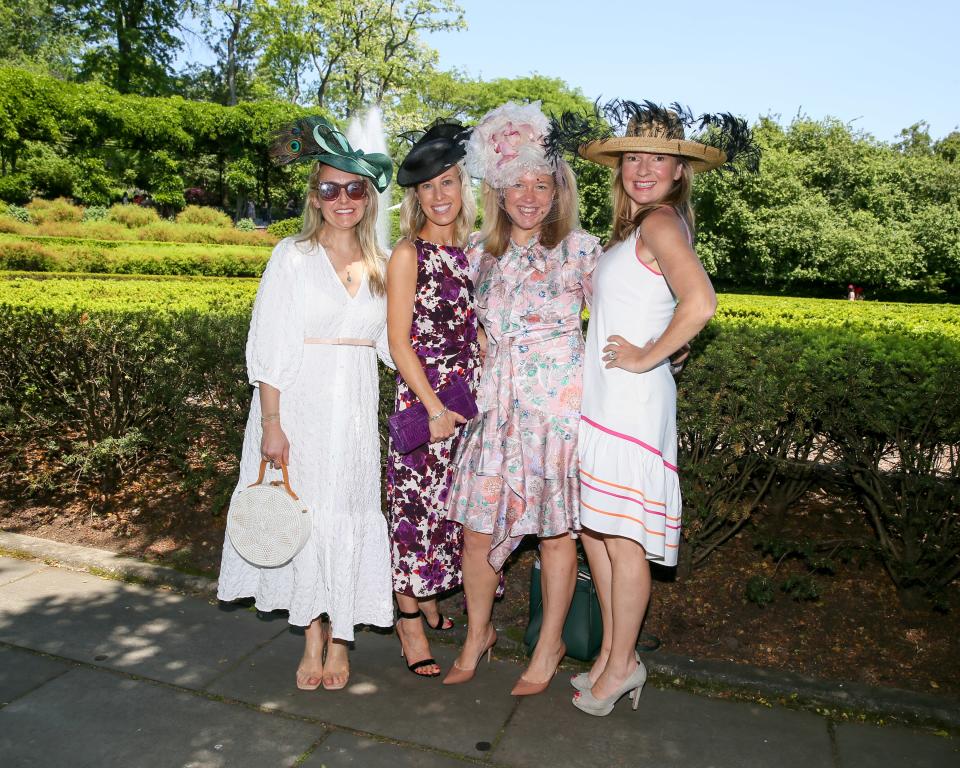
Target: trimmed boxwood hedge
776 398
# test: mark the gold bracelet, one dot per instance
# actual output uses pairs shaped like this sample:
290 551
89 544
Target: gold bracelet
269 417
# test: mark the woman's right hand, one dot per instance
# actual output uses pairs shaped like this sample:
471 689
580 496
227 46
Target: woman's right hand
445 426
274 446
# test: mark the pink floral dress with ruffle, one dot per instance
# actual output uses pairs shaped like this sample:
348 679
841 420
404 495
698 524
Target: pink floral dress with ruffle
516 470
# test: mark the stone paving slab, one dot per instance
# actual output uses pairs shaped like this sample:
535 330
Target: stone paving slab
13 569
383 697
153 633
21 672
870 746
344 750
94 718
670 728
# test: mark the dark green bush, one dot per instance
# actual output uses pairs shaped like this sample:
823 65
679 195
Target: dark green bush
16 188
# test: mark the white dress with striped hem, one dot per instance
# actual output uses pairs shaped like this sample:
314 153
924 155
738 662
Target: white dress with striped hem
628 434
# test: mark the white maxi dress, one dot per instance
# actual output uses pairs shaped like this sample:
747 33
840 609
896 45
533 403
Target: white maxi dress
329 395
628 430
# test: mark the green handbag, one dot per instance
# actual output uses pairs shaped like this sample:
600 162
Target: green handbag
583 629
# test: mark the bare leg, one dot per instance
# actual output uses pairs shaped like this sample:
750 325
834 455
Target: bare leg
310 671
601 571
630 588
480 587
336 669
558 577
413 640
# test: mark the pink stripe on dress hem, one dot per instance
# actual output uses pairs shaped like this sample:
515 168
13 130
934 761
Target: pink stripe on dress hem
623 488
630 439
631 519
635 501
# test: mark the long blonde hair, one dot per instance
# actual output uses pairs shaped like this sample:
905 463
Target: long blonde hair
374 259
413 219
563 218
624 225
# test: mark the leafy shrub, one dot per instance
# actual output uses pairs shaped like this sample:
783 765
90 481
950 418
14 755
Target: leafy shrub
896 425
16 188
246 225
18 213
28 257
51 175
132 216
198 214
42 211
95 213
285 227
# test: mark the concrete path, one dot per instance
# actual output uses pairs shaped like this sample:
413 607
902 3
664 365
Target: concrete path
100 672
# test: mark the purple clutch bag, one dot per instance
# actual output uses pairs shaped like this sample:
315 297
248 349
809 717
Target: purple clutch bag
410 428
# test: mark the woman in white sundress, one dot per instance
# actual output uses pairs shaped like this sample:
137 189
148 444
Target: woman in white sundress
650 297
318 324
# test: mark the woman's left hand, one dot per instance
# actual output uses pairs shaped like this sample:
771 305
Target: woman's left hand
620 353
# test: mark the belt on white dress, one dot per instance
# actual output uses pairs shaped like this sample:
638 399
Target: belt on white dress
342 341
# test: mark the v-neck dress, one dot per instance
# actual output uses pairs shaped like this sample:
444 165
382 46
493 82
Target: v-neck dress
329 395
516 468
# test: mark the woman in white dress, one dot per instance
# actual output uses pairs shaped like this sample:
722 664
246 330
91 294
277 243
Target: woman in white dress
318 323
650 297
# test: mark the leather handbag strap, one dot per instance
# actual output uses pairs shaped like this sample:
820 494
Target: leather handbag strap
286 478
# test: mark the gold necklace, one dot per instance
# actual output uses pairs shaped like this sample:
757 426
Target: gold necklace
346 266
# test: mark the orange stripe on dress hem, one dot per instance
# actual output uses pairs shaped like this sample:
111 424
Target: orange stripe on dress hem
622 488
632 520
626 498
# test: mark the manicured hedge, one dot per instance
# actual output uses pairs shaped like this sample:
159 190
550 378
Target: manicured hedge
47 254
780 396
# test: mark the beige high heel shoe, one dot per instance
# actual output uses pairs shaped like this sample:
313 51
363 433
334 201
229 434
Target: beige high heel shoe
585 701
458 674
582 681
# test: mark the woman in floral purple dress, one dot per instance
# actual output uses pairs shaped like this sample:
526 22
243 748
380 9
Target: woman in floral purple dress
432 329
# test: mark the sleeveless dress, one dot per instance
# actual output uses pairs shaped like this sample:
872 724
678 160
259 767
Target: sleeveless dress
425 545
628 436
516 472
328 411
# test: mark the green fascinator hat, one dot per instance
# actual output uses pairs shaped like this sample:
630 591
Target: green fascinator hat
313 139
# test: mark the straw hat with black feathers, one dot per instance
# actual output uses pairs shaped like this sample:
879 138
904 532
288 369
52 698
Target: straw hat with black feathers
707 142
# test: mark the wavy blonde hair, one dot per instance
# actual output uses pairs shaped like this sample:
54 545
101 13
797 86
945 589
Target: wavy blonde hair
374 259
413 219
562 219
624 225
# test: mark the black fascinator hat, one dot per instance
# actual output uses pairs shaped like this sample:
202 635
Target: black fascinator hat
436 148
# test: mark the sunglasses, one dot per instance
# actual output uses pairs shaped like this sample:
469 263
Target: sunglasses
330 190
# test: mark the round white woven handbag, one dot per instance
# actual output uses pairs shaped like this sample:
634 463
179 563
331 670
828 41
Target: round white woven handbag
267 523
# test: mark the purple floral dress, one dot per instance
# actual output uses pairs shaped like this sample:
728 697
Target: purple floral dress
425 546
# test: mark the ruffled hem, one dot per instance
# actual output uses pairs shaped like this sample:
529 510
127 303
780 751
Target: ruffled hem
627 489
504 492
343 571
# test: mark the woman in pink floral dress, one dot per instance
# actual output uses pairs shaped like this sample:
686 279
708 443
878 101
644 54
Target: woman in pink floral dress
516 472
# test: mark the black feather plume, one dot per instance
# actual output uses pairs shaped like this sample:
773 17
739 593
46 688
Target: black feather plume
572 129
733 136
723 131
